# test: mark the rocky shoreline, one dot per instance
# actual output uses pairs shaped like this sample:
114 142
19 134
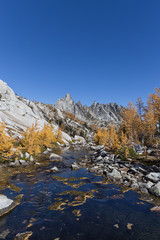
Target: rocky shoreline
134 175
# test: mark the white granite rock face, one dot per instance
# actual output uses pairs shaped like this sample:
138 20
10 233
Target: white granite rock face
15 113
19 113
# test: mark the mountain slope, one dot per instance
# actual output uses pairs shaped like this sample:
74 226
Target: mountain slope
19 113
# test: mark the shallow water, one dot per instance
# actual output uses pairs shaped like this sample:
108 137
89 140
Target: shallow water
104 214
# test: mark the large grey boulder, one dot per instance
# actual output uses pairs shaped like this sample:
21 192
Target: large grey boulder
134 185
23 162
79 139
55 157
147 185
153 177
115 174
97 148
14 164
5 204
155 189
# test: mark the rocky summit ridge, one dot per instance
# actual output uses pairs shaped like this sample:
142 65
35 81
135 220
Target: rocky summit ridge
98 112
18 113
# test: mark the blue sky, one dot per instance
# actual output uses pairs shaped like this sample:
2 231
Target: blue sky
103 50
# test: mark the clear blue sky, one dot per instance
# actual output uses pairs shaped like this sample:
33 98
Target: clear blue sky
103 50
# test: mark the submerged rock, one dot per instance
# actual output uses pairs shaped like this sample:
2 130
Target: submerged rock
54 169
23 236
4 234
55 157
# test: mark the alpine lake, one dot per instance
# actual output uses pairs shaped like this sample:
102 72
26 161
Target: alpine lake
72 204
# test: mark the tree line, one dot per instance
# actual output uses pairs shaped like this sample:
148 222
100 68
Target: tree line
140 124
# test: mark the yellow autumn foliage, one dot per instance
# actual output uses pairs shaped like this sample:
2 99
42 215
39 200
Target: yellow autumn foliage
30 140
46 136
6 142
34 139
108 137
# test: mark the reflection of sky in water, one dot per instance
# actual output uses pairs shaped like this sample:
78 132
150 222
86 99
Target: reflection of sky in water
109 207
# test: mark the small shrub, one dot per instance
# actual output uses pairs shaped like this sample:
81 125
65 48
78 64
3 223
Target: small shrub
132 153
123 153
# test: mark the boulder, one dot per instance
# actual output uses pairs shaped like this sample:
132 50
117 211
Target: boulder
74 166
79 139
99 158
155 190
144 190
14 164
97 148
21 155
54 157
111 157
46 152
138 149
115 174
142 170
149 151
103 154
27 155
54 169
133 170
6 204
145 185
31 159
49 150
134 185
153 177
23 162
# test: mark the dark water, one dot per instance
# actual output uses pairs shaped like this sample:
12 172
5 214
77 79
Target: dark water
99 214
